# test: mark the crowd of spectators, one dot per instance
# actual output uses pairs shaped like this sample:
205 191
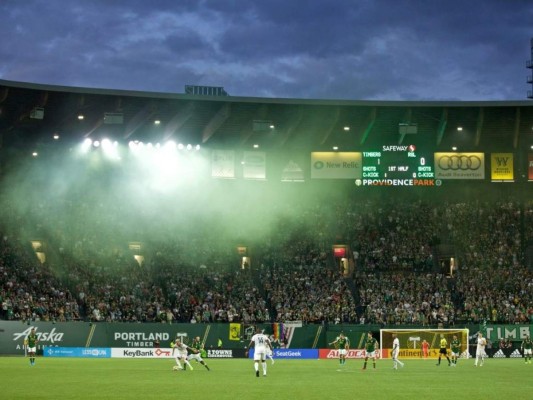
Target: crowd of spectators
308 291
386 236
408 298
193 276
29 290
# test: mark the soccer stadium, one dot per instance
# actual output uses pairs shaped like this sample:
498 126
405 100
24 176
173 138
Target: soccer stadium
133 221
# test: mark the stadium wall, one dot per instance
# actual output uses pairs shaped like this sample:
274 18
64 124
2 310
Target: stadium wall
233 336
150 335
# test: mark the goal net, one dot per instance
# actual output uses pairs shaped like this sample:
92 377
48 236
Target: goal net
411 341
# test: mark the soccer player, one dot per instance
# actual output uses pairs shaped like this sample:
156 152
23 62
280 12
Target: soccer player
270 354
455 348
270 350
31 345
260 342
180 349
343 344
396 352
425 348
196 348
480 350
370 349
443 350
526 348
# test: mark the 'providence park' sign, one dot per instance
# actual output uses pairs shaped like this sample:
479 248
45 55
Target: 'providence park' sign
511 332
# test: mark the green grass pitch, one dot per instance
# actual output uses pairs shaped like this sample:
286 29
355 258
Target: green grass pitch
64 378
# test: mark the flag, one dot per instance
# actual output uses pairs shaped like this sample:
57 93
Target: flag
277 329
234 331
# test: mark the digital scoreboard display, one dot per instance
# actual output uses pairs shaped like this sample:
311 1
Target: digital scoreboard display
397 165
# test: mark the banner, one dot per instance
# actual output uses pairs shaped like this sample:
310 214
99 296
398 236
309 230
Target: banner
277 331
226 353
530 166
502 353
501 167
336 165
85 352
126 352
291 353
459 165
339 251
292 172
223 164
61 334
254 165
234 331
128 335
511 332
352 353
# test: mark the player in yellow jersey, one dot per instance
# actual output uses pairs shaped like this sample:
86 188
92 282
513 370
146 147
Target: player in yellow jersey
443 350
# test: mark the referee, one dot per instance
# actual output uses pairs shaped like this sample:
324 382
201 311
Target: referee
443 350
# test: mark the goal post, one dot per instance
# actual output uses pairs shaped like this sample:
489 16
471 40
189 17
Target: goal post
411 341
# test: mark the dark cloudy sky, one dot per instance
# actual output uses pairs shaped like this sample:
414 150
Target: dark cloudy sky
345 49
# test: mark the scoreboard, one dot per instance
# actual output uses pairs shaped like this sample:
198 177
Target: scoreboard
406 165
397 165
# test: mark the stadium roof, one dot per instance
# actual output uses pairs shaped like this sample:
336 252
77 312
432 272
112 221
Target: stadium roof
30 114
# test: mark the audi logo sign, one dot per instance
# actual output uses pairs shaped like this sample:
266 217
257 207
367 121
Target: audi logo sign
461 162
460 165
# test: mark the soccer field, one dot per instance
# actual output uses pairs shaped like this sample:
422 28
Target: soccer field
61 378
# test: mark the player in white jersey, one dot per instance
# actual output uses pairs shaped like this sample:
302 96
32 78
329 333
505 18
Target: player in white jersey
179 352
261 343
480 349
396 352
270 353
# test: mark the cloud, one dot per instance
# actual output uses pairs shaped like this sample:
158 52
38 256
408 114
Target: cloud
340 49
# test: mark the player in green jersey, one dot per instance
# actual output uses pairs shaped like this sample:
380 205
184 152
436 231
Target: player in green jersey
527 349
31 345
371 346
196 348
455 348
343 344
